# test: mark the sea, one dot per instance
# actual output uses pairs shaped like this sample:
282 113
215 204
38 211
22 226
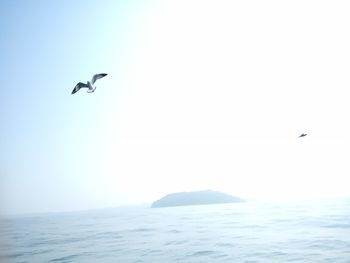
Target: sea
312 231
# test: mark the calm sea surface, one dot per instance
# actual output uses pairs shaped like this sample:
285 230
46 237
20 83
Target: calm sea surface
242 232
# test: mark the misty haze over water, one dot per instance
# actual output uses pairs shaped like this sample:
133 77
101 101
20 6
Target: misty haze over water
314 231
199 95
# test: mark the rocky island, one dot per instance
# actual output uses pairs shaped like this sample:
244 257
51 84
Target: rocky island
195 198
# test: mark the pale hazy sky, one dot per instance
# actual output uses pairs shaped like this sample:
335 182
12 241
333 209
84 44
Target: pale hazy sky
199 95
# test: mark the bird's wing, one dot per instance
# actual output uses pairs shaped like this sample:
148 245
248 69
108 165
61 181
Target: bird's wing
97 76
79 86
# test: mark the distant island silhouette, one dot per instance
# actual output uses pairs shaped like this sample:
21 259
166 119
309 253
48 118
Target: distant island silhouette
195 198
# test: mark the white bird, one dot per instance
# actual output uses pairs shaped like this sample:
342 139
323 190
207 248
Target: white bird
90 84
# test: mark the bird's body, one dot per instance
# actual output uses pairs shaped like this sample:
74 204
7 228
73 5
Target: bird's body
302 135
91 87
90 84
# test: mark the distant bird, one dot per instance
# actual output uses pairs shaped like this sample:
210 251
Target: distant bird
302 135
90 84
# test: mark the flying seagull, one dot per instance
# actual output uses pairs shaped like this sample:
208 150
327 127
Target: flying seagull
302 135
90 84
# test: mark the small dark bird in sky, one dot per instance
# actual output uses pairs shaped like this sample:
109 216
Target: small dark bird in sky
90 84
302 135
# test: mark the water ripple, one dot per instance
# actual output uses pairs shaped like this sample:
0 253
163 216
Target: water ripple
308 233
